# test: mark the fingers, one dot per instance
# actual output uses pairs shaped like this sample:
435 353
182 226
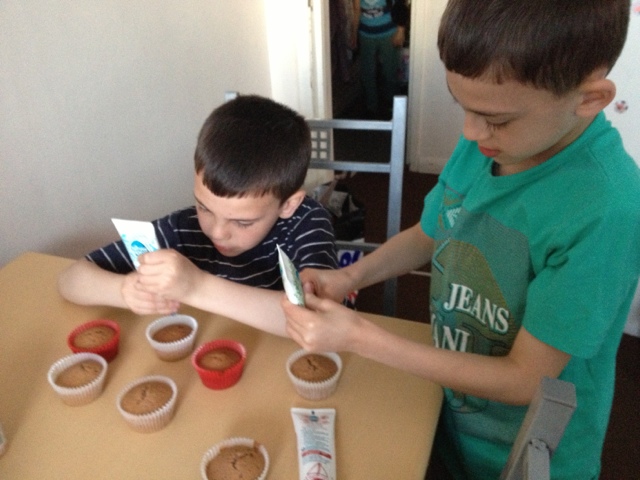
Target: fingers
153 306
307 326
143 302
309 287
311 301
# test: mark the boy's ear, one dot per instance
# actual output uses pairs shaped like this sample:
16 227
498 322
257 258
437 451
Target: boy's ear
596 92
290 205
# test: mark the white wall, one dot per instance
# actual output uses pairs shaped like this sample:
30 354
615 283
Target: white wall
434 120
101 106
624 113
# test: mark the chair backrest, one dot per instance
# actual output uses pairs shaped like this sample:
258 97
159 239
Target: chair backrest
542 428
322 157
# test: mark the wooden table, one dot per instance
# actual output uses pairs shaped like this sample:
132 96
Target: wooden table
385 419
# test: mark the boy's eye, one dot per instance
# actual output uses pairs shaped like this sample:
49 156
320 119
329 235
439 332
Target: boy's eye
202 208
242 224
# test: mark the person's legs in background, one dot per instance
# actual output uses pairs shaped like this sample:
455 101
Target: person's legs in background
379 58
389 57
368 53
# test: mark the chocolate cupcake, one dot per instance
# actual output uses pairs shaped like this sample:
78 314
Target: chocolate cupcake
79 378
219 363
235 459
314 375
172 337
98 336
148 404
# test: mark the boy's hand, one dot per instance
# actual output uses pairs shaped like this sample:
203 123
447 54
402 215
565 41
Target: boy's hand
322 325
144 303
333 284
167 274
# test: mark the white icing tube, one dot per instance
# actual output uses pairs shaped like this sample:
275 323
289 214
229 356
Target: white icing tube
138 237
290 278
315 431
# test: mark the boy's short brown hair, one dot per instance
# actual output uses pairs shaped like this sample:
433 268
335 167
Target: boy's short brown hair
252 146
549 44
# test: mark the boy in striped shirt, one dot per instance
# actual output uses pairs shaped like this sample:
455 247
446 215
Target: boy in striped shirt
220 255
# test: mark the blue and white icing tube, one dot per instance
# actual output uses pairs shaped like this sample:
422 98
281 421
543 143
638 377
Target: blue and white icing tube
138 237
315 432
290 278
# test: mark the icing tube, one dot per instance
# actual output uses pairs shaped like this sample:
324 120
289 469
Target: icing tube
315 431
138 237
290 278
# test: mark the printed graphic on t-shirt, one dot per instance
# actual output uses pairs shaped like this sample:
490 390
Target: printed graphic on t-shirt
372 8
477 301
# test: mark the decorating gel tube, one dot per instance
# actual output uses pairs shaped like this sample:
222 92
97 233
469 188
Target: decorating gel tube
315 431
138 238
290 278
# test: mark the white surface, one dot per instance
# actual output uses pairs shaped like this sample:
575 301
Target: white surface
102 103
625 75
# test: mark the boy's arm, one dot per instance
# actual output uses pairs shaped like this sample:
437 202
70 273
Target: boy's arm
406 251
168 274
253 306
85 283
513 379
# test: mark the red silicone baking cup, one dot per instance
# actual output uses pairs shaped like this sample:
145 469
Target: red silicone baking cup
107 350
219 379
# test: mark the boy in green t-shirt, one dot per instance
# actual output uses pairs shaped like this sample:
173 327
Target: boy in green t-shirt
533 234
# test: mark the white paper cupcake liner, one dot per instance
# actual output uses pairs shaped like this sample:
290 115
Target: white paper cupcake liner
315 390
84 394
231 442
152 421
171 351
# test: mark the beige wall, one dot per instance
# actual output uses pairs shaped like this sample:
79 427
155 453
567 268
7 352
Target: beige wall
101 103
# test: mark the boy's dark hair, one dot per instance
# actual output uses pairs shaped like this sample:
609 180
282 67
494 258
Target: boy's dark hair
252 145
549 44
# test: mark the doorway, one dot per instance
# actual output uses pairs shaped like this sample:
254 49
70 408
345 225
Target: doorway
347 92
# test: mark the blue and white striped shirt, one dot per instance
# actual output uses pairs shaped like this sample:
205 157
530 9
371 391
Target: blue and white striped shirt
306 237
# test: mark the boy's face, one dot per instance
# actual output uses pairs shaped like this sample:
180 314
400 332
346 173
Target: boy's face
516 125
235 224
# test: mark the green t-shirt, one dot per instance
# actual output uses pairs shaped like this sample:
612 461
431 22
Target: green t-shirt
554 249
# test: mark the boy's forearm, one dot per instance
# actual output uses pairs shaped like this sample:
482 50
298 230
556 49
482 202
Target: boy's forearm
406 251
85 283
253 306
511 379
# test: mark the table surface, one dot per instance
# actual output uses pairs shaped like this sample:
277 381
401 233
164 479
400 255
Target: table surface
385 419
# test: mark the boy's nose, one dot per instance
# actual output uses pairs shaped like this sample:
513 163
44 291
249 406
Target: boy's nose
475 127
218 232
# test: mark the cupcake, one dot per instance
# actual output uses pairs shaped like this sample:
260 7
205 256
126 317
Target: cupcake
219 363
148 404
235 459
314 375
98 336
172 337
78 378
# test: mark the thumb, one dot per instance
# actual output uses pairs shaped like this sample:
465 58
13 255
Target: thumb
311 301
